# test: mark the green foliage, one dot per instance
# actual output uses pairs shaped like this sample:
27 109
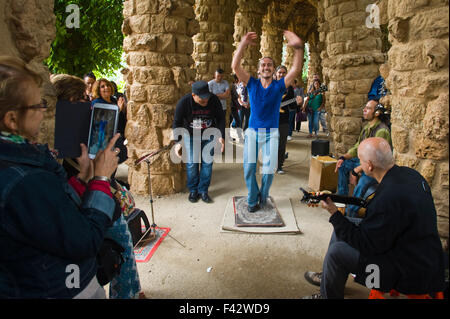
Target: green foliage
305 64
95 46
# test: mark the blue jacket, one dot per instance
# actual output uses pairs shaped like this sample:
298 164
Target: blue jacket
46 229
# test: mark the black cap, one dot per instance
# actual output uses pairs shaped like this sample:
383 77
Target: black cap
201 89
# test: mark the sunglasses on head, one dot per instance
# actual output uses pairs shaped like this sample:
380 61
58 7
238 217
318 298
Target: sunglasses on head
42 105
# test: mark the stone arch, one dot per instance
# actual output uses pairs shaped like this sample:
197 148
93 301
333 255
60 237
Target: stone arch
159 49
274 22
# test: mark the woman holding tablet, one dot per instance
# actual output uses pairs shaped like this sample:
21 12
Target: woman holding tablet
127 284
42 254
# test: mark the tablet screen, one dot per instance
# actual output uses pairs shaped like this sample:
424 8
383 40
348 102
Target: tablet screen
103 127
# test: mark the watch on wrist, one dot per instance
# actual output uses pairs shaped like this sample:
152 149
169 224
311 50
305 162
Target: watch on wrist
354 173
101 178
342 158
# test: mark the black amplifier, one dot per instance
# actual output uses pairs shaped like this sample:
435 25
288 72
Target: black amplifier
320 147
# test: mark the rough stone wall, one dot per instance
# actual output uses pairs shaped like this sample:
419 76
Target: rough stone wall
299 26
350 63
417 77
274 23
249 17
27 29
302 20
213 45
158 47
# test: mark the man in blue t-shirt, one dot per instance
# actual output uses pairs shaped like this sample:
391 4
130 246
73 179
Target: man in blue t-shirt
265 96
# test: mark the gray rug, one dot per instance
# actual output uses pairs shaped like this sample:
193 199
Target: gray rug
267 216
284 208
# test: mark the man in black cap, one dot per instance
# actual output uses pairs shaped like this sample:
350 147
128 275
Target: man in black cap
196 116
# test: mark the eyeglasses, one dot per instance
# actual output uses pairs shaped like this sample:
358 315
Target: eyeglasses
42 105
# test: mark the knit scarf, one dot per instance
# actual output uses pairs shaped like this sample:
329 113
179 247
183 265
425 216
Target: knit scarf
13 138
18 139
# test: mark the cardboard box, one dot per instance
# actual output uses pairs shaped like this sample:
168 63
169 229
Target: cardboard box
322 175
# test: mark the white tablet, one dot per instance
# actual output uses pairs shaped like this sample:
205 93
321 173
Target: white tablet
103 127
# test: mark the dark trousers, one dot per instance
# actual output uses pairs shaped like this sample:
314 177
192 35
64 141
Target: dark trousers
245 117
235 117
340 260
284 131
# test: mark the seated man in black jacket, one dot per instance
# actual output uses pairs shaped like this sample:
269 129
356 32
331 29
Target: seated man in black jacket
396 246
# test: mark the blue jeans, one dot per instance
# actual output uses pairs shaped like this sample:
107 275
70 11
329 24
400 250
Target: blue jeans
343 180
291 121
126 284
340 260
198 177
313 122
267 142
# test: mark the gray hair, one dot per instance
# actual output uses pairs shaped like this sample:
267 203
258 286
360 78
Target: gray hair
378 151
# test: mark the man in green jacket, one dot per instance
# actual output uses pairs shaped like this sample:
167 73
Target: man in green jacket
348 164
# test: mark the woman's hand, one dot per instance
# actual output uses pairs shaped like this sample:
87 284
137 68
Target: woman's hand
86 165
106 161
179 150
121 103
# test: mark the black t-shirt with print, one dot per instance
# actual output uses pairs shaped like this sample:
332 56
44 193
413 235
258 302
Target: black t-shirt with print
190 115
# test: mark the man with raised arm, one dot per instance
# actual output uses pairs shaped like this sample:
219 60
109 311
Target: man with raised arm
265 95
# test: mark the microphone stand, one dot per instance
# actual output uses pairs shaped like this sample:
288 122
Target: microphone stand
152 229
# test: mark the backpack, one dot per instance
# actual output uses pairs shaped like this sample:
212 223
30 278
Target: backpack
109 261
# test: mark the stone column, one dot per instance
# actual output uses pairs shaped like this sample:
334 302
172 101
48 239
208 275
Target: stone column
27 30
213 45
418 80
303 22
158 46
274 23
248 18
351 61
314 66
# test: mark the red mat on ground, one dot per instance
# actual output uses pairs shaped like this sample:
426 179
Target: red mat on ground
144 253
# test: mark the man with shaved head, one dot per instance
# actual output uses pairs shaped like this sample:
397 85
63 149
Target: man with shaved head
396 245
265 94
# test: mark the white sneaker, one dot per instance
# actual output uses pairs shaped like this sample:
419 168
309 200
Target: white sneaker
289 138
280 171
